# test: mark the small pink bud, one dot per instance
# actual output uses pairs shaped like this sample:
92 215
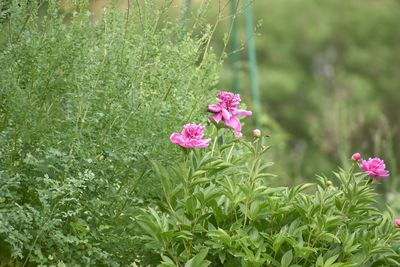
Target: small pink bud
356 156
256 133
397 222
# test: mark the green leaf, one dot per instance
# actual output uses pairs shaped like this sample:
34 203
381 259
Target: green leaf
320 261
249 146
331 260
329 237
222 256
167 262
287 258
191 204
198 260
199 173
221 235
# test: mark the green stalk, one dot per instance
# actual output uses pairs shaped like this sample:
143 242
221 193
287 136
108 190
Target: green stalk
235 57
251 50
186 8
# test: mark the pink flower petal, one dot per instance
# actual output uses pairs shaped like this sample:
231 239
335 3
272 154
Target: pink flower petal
234 123
225 114
202 143
244 113
214 108
217 117
177 138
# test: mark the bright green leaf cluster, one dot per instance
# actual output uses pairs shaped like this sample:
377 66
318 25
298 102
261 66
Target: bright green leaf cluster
218 208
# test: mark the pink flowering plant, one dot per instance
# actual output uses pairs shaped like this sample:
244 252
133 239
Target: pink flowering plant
356 156
397 222
218 208
190 137
375 168
227 111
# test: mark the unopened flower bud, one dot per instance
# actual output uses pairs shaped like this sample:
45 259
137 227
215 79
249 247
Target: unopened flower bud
397 222
329 183
356 156
256 133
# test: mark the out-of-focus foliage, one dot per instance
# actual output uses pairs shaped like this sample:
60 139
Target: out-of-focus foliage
83 104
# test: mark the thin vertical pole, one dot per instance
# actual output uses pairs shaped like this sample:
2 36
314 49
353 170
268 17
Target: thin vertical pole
186 7
235 57
251 50
183 20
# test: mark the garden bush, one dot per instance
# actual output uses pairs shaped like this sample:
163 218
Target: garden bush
83 104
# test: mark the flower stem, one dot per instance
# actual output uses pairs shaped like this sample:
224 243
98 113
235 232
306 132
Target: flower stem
215 136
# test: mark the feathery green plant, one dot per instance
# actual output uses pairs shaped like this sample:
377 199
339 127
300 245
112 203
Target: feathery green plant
83 105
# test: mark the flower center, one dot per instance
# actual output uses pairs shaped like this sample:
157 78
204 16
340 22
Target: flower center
191 131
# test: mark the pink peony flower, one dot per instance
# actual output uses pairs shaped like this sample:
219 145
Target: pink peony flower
397 222
226 110
356 156
374 167
190 137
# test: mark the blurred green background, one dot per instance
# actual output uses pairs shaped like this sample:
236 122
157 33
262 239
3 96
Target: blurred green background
329 80
328 74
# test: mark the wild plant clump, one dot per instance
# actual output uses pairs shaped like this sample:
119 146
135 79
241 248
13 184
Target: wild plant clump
218 208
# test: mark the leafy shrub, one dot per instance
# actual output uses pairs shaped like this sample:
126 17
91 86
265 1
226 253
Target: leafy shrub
218 209
83 104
